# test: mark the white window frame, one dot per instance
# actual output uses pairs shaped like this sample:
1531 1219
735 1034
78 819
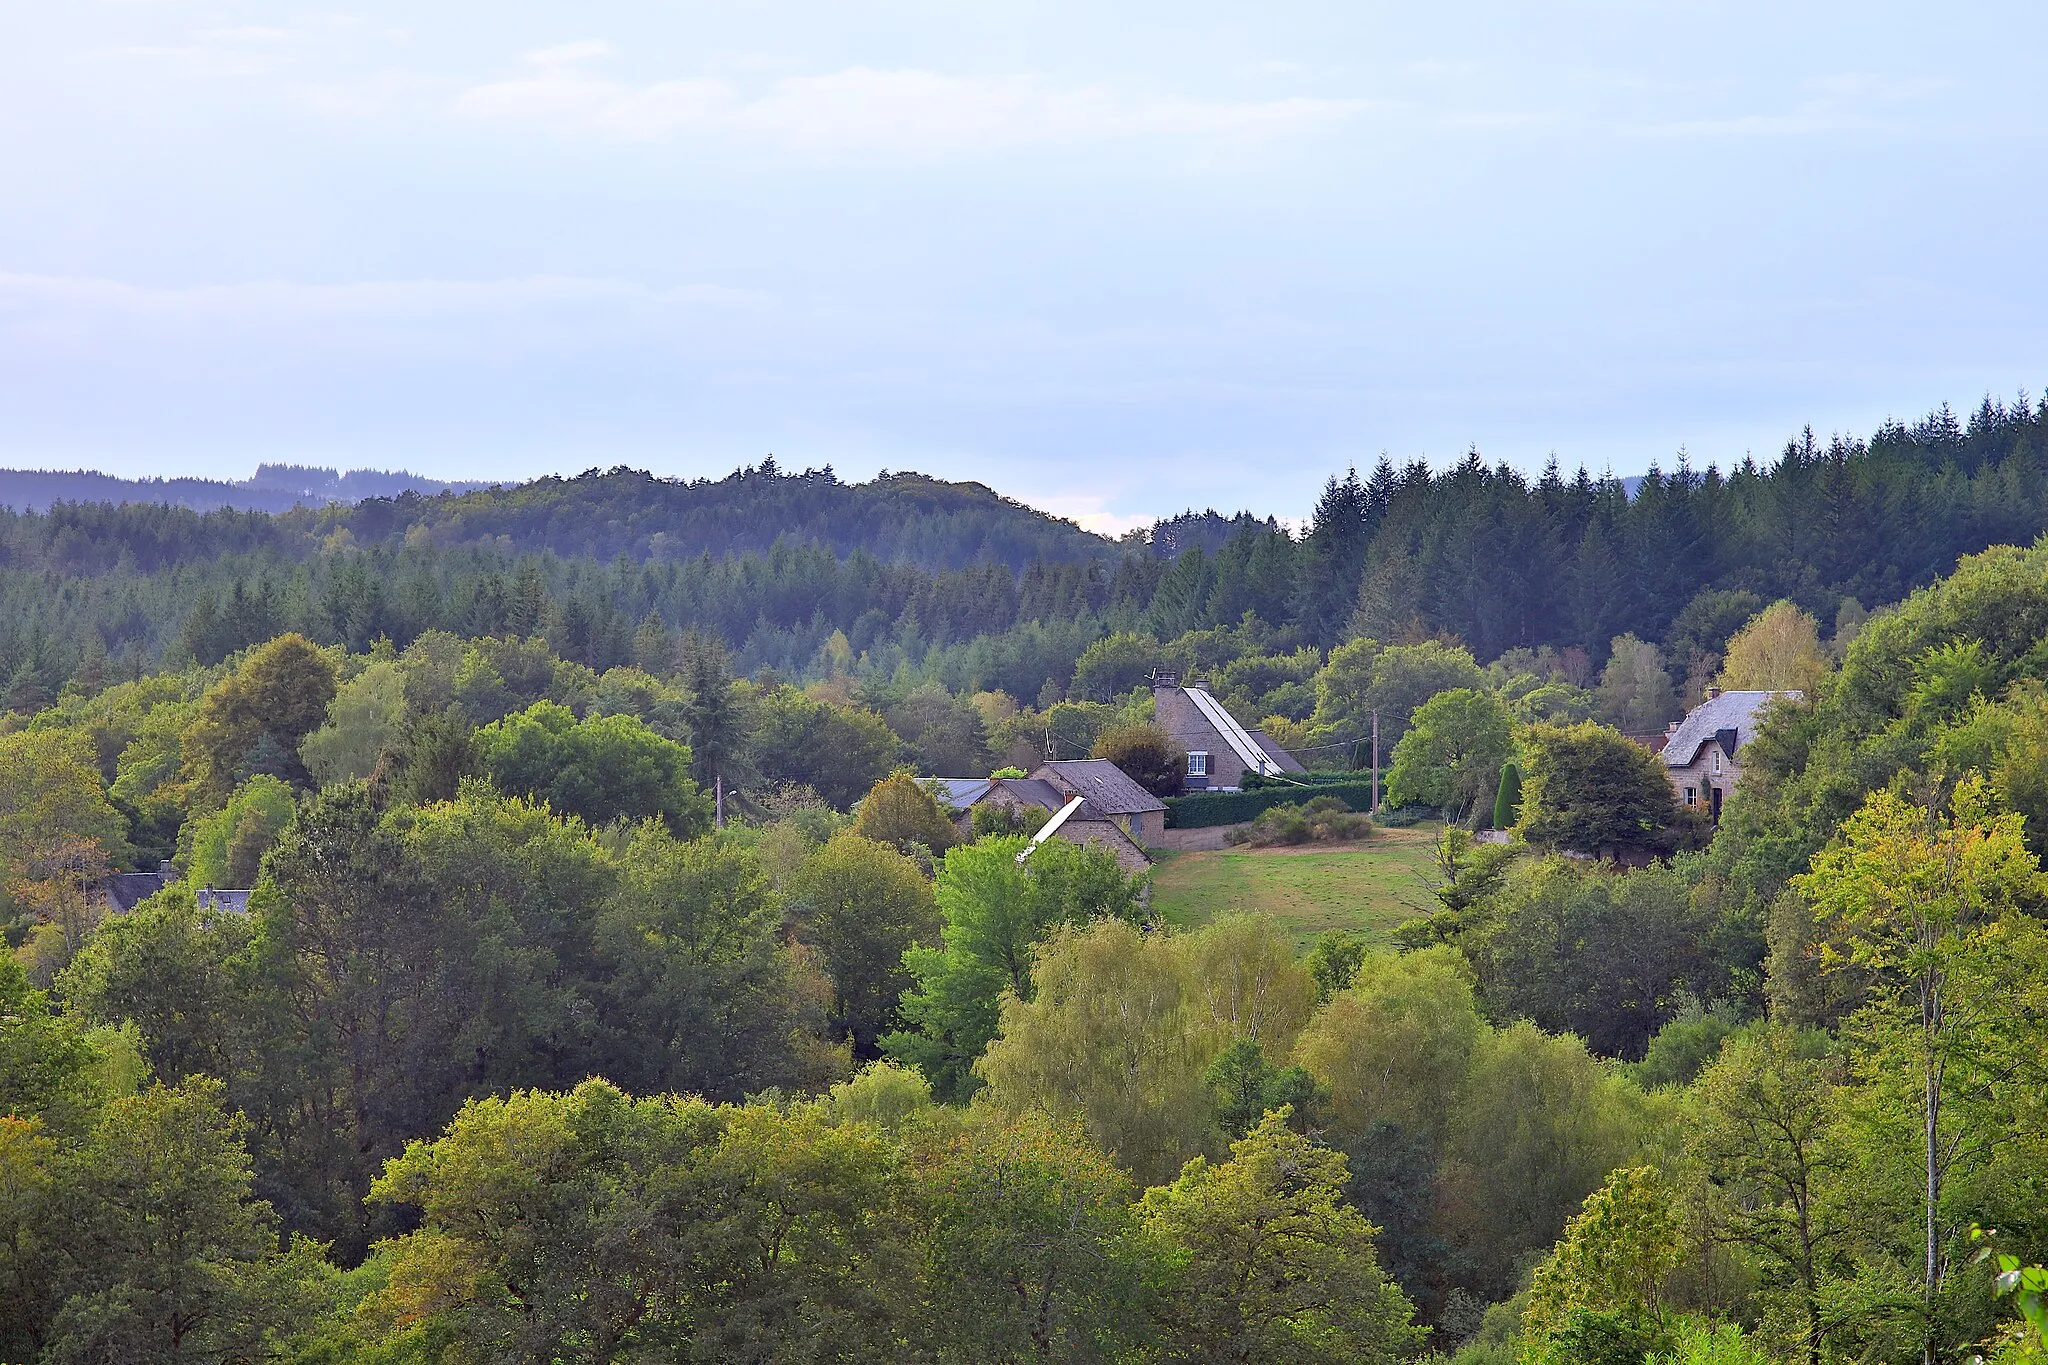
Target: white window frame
1692 796
1198 764
1717 762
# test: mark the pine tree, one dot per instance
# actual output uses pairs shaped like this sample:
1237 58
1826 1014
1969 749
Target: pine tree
717 729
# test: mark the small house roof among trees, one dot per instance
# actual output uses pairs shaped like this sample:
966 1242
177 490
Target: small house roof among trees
1109 790
126 890
1727 718
957 793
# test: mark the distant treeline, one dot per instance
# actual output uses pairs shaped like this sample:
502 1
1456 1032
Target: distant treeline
273 488
978 591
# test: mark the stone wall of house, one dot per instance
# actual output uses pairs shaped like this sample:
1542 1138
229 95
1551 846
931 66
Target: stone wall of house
1191 730
1699 776
1129 856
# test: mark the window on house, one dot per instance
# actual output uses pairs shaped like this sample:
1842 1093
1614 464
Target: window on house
1198 765
1717 762
1692 796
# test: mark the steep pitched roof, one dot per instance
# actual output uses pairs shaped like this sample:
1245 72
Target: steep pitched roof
1736 713
1108 788
1287 761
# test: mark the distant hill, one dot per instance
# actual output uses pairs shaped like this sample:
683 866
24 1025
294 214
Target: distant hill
598 516
273 488
900 518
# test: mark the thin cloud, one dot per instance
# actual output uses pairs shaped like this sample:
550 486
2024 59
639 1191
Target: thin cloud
247 50
58 308
866 109
1834 104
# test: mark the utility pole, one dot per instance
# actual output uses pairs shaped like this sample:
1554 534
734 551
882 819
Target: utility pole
1375 761
718 785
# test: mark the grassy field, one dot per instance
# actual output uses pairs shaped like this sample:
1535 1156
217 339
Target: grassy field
1372 885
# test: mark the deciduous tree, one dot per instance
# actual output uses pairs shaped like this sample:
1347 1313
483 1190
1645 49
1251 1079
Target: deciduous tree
1780 649
1932 909
1146 755
1268 1264
1592 791
280 693
1452 754
864 904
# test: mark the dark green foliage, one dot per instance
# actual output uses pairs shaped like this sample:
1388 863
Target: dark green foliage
1686 1045
1333 960
837 751
991 595
1608 957
1245 1087
1589 1337
602 769
1146 755
1230 808
989 820
996 912
943 733
717 730
436 757
1507 800
164 1253
1590 790
863 904
1393 1175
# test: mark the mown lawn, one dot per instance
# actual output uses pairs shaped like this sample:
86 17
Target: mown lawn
1372 885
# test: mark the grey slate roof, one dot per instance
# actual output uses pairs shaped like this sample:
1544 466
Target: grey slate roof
1736 713
956 793
126 890
1108 789
1287 761
213 898
1036 790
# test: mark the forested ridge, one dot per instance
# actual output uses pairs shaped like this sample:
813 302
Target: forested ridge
774 563
517 1053
272 488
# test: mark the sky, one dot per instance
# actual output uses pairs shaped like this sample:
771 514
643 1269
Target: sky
1117 260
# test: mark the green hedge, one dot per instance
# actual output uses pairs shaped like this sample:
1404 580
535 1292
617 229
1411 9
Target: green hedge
1322 777
1229 808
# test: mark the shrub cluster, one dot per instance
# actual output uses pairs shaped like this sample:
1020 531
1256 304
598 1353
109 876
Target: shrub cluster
1322 820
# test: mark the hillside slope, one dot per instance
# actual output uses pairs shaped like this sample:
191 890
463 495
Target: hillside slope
901 518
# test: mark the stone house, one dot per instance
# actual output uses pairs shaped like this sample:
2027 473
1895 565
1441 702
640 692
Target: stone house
1116 812
1703 753
1220 751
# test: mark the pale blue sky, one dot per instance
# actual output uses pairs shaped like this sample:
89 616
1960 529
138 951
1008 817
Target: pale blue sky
1117 259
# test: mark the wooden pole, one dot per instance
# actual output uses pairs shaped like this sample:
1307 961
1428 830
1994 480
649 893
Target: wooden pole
1375 761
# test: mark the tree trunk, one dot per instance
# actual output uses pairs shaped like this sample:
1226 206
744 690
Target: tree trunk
1931 1024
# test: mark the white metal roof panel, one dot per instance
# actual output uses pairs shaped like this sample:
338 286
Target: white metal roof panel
1235 735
